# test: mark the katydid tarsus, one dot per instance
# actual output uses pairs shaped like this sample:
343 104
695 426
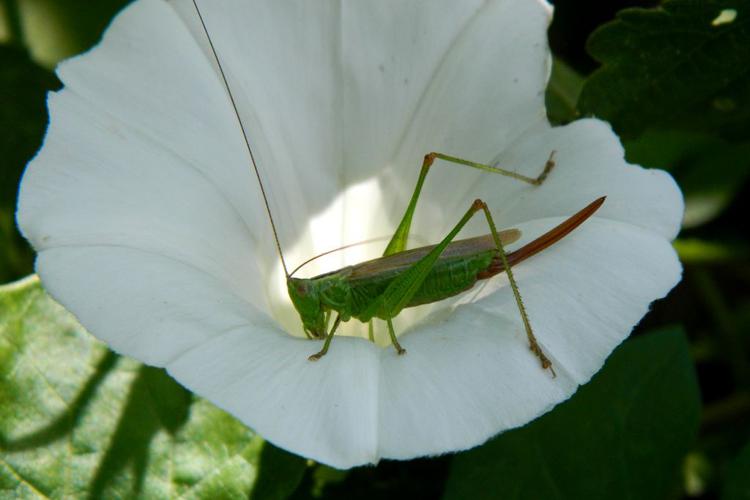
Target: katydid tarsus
401 278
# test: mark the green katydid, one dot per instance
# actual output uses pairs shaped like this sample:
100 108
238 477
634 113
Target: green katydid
383 287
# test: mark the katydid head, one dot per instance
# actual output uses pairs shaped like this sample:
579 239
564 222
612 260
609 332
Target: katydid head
305 296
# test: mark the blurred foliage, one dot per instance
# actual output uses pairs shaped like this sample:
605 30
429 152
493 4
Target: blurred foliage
673 81
23 119
102 426
710 170
737 486
55 29
623 435
562 93
696 251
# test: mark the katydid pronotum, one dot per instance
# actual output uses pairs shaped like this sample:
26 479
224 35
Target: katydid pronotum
401 278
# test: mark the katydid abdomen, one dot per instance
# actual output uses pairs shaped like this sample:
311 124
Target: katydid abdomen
450 276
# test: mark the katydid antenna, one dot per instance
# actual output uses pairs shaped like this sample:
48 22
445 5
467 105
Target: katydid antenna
244 136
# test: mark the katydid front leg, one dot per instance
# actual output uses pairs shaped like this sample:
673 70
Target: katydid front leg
328 340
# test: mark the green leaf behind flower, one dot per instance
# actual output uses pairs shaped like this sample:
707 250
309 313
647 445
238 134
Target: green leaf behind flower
710 171
623 435
562 93
683 65
78 421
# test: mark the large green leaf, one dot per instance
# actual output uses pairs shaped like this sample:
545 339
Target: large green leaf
78 421
684 65
623 435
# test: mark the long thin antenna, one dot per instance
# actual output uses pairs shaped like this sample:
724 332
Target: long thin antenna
244 136
345 247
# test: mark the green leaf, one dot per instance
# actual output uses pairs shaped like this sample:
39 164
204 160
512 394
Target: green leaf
683 65
710 171
623 435
562 94
737 484
79 421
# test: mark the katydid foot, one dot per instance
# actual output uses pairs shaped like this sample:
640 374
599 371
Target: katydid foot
546 363
392 333
316 356
327 342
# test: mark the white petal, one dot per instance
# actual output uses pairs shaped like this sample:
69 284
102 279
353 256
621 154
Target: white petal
150 75
99 182
589 163
346 89
280 59
325 410
145 305
411 88
509 72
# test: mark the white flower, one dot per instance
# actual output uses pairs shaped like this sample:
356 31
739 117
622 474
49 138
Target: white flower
149 227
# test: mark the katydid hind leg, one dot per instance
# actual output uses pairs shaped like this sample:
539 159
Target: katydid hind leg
533 344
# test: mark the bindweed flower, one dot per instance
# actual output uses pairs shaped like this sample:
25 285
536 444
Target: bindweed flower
149 224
